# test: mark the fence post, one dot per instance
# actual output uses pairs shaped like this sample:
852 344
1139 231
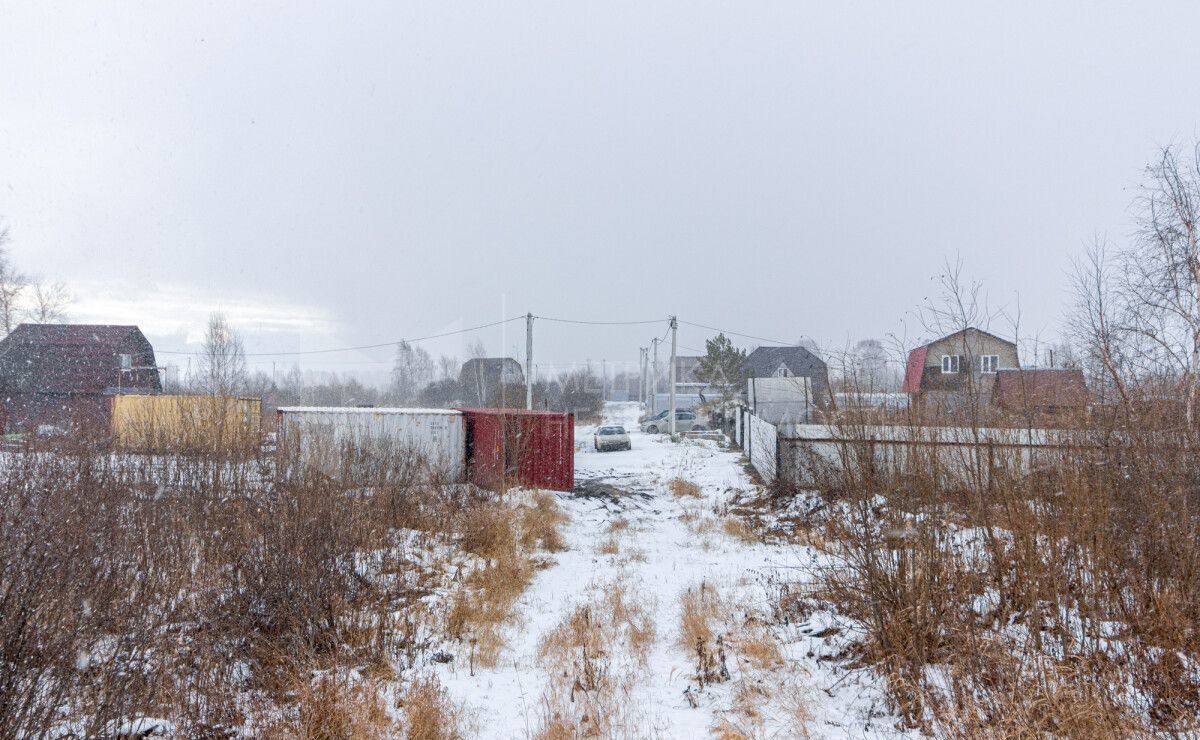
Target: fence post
748 445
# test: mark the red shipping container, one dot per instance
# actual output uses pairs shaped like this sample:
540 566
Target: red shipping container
532 449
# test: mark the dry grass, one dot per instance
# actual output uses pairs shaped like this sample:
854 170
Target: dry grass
736 527
329 708
683 488
758 648
222 588
591 657
618 525
479 609
1013 593
764 710
542 523
610 546
429 713
700 608
632 555
616 618
506 536
698 522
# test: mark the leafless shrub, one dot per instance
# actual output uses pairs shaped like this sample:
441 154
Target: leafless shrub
1029 591
207 590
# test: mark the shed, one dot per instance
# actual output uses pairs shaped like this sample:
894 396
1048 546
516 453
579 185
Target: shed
63 375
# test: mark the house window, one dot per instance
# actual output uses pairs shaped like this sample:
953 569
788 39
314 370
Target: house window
126 361
950 363
989 363
782 371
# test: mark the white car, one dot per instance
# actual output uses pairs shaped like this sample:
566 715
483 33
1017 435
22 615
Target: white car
685 421
611 437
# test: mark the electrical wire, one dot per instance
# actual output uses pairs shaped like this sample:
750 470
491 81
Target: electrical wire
360 347
598 323
734 333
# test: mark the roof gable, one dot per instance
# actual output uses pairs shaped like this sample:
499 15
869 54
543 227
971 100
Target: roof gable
75 359
914 370
969 330
763 362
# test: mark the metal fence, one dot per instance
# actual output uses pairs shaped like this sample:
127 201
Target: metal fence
809 453
761 445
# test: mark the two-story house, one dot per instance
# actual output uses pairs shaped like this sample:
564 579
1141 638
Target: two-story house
64 375
947 371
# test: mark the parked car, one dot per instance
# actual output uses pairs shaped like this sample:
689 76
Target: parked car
651 417
611 438
685 421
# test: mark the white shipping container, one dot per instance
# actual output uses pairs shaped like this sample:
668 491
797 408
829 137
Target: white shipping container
316 432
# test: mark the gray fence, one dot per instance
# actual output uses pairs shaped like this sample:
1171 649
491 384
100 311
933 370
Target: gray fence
761 445
810 453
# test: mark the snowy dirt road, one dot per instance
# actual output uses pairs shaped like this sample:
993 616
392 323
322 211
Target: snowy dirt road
635 542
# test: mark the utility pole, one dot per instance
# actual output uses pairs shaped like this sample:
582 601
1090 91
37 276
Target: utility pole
654 380
529 361
671 375
642 373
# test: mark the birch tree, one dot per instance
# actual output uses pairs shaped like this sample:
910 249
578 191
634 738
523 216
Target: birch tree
222 362
1160 291
411 372
48 303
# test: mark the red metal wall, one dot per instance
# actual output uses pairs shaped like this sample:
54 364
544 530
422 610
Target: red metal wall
534 449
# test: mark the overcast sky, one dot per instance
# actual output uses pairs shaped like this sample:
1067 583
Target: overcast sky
345 173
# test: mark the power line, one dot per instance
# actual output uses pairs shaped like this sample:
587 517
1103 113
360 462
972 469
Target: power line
360 347
599 323
734 333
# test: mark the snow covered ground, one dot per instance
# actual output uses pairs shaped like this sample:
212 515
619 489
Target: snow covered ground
660 545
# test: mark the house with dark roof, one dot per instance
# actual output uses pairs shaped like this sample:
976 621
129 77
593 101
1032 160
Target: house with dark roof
64 375
946 371
788 362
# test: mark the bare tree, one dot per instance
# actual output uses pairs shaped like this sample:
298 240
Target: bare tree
49 303
870 363
411 372
12 287
222 364
447 368
1160 287
1094 323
